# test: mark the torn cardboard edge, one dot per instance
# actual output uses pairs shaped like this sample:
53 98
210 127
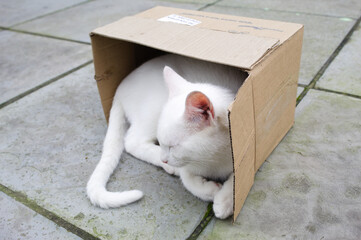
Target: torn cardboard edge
269 51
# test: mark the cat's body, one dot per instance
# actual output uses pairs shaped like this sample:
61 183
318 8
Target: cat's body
190 121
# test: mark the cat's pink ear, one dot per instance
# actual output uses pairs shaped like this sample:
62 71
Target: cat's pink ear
174 81
199 109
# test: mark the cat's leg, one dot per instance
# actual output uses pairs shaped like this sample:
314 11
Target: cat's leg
199 186
223 201
140 143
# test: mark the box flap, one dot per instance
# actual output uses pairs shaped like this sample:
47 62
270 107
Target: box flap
231 24
242 129
207 40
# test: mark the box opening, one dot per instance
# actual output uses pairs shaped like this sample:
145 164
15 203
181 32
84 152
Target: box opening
116 59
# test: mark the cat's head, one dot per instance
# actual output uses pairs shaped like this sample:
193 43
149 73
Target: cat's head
193 126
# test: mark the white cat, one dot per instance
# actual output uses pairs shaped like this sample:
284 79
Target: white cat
189 119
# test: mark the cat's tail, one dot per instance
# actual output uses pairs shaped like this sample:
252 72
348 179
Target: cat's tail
112 149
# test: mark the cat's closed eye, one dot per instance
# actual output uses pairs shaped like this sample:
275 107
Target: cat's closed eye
167 147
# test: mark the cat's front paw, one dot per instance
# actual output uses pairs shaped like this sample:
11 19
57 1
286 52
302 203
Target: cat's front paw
170 170
211 189
223 206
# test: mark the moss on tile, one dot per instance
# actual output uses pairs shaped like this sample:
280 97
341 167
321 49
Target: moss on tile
297 183
97 233
79 216
22 198
353 192
256 198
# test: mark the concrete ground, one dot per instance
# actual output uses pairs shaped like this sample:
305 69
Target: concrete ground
52 128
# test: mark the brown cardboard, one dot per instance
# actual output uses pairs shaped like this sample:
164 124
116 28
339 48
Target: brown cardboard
269 51
242 128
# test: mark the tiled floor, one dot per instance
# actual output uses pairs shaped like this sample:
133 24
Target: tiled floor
52 128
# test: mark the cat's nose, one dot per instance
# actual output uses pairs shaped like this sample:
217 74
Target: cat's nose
164 159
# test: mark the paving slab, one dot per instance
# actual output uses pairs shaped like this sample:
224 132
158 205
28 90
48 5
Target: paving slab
310 186
322 34
299 91
20 222
28 61
16 11
338 8
344 73
76 23
191 1
50 143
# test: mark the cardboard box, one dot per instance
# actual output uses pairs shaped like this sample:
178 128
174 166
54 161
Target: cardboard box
269 51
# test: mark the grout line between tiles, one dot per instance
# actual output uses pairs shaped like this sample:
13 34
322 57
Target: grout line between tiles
50 13
203 223
23 199
337 92
44 84
322 70
44 35
302 85
208 5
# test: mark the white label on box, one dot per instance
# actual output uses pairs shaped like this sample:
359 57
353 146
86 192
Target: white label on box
179 19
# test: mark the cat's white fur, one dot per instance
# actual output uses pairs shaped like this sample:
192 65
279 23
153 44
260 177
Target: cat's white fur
189 119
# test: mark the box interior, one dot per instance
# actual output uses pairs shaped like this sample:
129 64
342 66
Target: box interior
115 60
